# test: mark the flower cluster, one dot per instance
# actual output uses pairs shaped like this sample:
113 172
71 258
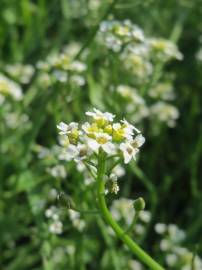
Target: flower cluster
162 90
116 33
165 112
56 226
120 210
119 139
19 72
62 67
134 47
177 256
124 34
135 105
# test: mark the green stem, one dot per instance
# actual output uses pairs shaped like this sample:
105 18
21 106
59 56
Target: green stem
132 225
143 256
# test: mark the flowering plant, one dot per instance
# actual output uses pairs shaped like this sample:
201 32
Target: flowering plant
95 144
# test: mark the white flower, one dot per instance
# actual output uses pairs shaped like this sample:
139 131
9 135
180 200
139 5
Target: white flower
56 227
165 245
83 152
79 142
60 75
119 171
171 259
9 87
99 115
135 265
145 216
70 153
102 140
139 229
57 171
65 129
129 128
88 128
77 222
129 152
78 80
160 228
52 212
78 66
138 141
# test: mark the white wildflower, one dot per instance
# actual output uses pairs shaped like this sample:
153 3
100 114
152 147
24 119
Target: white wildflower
103 141
129 152
65 129
97 115
160 228
56 227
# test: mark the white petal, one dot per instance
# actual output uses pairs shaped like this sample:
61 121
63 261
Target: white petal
90 113
139 140
72 152
127 157
93 145
109 148
63 127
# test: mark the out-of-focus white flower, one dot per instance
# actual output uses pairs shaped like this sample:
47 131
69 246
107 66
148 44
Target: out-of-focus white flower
139 229
56 227
164 49
51 211
165 112
77 222
131 94
175 233
22 73
53 194
160 228
11 88
115 33
145 216
60 75
199 55
163 91
13 120
135 265
119 171
57 171
165 244
120 209
78 66
70 249
171 259
69 153
78 80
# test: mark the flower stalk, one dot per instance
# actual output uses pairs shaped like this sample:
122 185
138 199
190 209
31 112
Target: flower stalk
139 252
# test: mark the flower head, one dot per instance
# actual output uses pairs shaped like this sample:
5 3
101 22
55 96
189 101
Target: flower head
101 118
120 139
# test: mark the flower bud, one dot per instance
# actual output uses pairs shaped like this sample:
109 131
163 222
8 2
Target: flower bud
139 204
